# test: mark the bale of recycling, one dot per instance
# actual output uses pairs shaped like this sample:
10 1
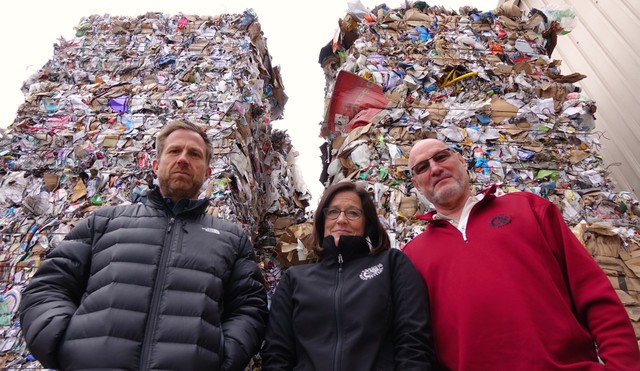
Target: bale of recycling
85 136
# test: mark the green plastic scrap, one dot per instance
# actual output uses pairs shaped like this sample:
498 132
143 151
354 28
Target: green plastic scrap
551 174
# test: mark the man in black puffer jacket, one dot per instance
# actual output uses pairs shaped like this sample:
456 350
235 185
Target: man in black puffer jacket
154 286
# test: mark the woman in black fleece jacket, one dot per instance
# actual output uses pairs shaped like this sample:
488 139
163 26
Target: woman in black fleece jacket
362 307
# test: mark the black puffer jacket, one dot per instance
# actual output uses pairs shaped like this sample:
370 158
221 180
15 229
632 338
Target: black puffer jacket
369 312
139 288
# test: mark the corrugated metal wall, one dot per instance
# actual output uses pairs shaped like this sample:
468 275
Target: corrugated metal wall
605 46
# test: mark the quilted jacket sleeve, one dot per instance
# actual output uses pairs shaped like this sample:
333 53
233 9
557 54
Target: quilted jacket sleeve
245 311
53 294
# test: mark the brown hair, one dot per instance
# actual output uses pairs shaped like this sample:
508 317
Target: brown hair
182 125
373 228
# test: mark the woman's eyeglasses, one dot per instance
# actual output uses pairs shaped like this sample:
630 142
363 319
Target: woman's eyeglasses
351 214
424 165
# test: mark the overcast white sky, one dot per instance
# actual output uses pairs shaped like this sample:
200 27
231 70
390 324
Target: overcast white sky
295 32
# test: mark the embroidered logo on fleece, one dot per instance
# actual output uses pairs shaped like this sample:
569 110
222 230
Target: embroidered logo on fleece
369 273
211 230
500 221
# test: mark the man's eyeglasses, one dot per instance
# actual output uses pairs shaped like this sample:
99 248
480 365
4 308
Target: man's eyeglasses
351 214
438 158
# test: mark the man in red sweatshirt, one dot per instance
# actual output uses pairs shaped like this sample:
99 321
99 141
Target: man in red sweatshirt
510 287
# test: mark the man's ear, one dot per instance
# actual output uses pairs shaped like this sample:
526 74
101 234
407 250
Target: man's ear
208 172
154 166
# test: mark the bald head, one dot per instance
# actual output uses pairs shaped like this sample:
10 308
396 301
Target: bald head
440 174
425 147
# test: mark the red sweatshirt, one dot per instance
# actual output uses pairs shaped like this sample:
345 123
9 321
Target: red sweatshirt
520 292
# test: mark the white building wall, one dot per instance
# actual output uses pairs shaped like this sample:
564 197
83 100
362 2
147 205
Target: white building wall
605 46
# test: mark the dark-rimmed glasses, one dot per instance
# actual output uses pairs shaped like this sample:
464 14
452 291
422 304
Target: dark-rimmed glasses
351 214
438 158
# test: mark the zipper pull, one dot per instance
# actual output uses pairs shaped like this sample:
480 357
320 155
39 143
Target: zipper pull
340 261
171 221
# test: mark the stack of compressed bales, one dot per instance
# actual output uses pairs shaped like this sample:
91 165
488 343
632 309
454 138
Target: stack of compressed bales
484 83
85 136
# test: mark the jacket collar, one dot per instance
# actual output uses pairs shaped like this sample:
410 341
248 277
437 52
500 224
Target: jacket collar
182 207
349 247
489 194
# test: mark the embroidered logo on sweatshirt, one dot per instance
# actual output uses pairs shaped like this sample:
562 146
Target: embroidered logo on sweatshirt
211 230
500 221
369 273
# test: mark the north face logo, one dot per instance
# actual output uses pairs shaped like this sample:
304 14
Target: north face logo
369 273
500 221
211 230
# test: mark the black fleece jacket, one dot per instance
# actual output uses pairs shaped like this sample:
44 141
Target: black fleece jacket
352 311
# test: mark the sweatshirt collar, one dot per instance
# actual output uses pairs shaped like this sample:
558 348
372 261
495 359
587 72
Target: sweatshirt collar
481 197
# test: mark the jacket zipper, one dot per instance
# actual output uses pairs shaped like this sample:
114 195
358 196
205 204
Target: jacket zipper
337 302
154 307
183 226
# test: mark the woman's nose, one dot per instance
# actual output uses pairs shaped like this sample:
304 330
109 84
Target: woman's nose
342 217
